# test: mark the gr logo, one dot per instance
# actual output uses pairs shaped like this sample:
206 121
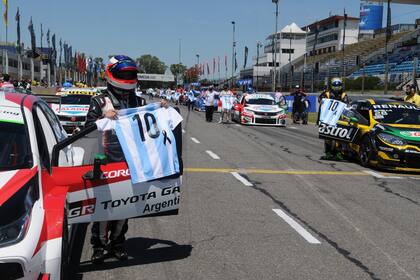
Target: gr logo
82 208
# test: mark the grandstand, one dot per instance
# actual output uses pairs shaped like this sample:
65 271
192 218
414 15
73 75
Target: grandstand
367 57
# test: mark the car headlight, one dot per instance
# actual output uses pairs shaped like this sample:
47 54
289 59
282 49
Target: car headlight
248 111
15 213
391 139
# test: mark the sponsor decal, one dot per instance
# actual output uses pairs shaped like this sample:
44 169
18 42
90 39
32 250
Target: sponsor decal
339 132
82 208
395 106
10 114
149 207
386 149
412 152
415 134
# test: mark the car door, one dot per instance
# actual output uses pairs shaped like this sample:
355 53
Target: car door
101 190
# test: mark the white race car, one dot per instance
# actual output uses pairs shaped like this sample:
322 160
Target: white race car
73 107
259 109
49 182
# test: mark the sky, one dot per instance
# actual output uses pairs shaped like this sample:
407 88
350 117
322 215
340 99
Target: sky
137 27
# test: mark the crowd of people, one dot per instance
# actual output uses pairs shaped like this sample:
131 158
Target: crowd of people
6 83
208 97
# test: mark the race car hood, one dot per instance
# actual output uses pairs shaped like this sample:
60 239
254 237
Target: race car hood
264 108
14 180
70 110
407 132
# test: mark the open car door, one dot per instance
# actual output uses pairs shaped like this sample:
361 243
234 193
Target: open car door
100 190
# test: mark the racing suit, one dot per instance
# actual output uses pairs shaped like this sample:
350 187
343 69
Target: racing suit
330 146
99 105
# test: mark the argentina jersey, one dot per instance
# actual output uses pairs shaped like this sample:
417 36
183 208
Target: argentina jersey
146 138
331 110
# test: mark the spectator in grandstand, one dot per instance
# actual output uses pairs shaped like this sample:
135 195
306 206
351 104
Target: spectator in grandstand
411 95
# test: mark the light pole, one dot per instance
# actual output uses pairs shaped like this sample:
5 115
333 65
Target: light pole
387 38
258 61
198 67
275 46
233 53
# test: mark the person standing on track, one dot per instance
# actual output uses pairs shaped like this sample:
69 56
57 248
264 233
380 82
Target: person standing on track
226 96
337 92
121 75
191 99
209 98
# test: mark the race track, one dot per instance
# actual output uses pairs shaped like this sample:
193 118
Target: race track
258 203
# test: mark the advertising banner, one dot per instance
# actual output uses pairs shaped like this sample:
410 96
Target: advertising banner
371 16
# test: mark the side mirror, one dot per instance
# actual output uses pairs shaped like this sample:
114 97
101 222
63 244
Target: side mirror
95 174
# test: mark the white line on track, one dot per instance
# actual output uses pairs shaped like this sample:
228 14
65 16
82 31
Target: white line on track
238 125
195 140
212 155
374 174
380 176
293 127
241 179
183 131
299 229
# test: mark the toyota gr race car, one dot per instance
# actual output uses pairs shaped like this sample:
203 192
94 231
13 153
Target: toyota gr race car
379 133
73 107
49 183
259 109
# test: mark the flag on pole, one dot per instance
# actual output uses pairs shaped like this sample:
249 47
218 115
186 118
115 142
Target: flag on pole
214 65
218 64
54 50
6 9
33 43
61 52
17 18
246 57
226 66
236 62
48 37
208 68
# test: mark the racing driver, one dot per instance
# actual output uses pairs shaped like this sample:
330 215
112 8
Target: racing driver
121 75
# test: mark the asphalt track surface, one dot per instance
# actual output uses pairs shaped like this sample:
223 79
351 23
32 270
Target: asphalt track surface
258 203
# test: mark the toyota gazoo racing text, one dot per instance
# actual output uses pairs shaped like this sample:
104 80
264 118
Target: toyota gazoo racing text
73 107
49 182
259 109
379 133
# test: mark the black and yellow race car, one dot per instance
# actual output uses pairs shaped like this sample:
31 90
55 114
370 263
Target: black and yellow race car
379 133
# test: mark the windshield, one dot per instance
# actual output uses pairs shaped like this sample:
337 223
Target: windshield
260 101
397 116
15 147
76 99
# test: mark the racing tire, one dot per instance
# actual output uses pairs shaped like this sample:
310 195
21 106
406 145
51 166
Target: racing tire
65 249
366 152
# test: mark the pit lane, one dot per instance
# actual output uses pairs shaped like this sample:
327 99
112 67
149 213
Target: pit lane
367 225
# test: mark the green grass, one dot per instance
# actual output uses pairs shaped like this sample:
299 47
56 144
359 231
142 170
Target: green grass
311 119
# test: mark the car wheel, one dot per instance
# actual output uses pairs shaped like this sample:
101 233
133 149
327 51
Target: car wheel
65 249
366 151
